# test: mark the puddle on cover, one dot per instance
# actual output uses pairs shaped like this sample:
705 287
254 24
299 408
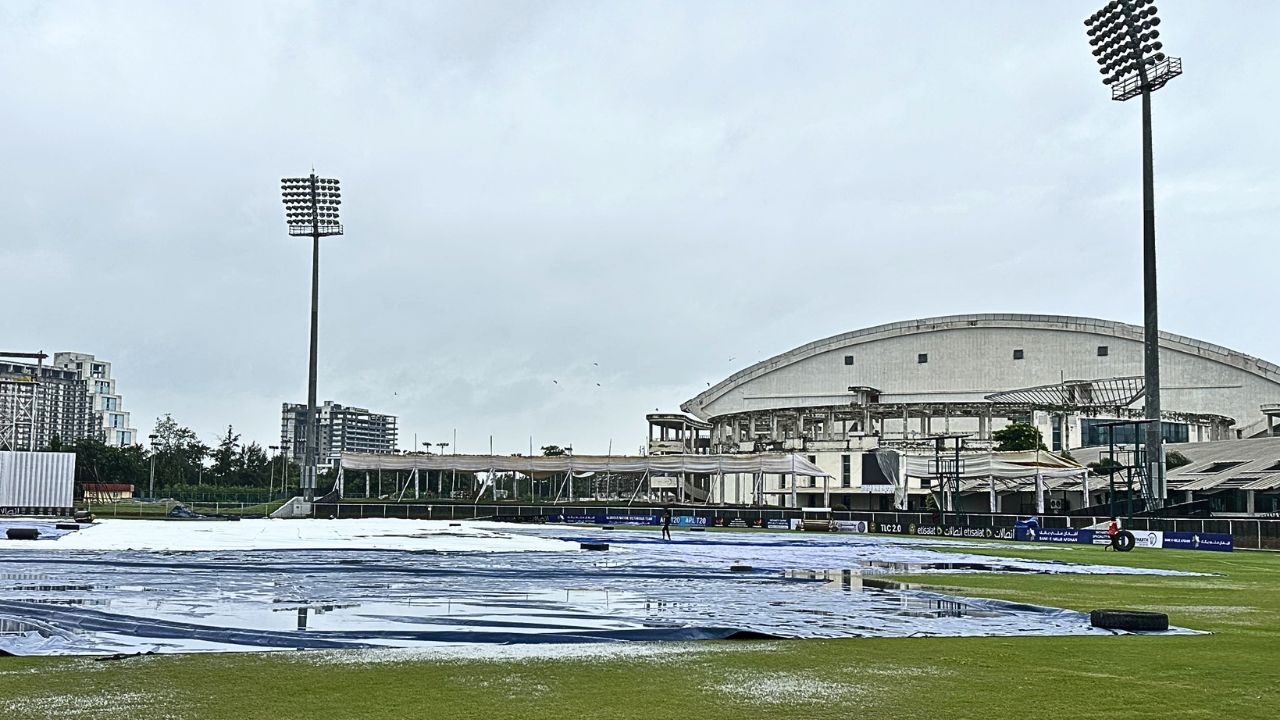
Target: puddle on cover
125 601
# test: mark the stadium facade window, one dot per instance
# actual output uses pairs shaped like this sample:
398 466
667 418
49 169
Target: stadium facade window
846 473
1017 354
922 358
848 359
1103 350
1093 435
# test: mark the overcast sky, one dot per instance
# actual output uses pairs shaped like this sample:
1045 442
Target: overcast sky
561 216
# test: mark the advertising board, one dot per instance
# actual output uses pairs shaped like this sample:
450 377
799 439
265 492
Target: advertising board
689 521
738 522
606 519
852 526
1220 542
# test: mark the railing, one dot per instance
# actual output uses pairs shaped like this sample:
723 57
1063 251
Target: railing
1249 533
160 509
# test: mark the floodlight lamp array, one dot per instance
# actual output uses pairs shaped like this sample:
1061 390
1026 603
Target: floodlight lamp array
1125 40
311 205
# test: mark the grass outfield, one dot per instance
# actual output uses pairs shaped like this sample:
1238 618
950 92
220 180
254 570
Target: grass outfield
1234 673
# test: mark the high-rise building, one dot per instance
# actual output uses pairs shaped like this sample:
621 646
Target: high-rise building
39 403
342 428
105 401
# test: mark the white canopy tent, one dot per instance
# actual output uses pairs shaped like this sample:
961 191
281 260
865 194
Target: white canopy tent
1008 471
756 465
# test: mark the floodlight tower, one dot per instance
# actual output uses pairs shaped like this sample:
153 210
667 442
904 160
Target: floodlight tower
1125 42
311 208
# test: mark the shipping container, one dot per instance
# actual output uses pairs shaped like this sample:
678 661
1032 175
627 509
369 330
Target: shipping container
37 482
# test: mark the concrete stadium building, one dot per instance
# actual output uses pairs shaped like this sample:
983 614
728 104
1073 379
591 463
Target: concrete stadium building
895 385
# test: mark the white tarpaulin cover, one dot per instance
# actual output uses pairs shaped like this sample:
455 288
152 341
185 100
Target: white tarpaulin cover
773 464
1019 464
351 585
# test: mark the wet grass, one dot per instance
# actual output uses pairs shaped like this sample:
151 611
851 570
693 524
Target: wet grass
1234 673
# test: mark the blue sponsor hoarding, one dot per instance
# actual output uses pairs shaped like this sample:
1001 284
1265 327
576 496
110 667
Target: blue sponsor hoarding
607 519
689 520
1054 535
1220 542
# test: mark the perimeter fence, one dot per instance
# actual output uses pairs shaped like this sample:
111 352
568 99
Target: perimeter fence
1248 533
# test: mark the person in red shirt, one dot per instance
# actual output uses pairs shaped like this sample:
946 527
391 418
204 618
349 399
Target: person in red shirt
1112 530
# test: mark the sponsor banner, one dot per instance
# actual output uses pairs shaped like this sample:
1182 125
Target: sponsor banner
1146 538
853 526
606 519
738 522
889 528
577 519
926 530
782 524
632 520
1056 535
689 520
27 510
1220 542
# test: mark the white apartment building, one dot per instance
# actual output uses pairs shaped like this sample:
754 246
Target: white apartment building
105 401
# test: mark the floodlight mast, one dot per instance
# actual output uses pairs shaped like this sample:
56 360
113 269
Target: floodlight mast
1125 42
311 209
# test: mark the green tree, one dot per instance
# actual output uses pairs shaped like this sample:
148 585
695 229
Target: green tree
226 457
1105 466
255 465
1018 436
552 450
179 453
97 462
1174 460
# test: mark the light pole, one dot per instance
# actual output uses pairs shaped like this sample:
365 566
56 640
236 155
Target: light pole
1125 42
284 470
311 209
440 476
271 484
151 491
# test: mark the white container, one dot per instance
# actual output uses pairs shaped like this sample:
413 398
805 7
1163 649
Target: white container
37 482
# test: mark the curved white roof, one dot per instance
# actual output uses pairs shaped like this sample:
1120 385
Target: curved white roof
1261 369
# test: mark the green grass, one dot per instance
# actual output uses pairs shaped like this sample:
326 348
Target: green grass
1234 673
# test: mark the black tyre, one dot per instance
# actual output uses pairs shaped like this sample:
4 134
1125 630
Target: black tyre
1132 620
594 546
1123 541
22 533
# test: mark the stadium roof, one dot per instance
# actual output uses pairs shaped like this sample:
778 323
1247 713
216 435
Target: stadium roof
1228 465
1190 346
